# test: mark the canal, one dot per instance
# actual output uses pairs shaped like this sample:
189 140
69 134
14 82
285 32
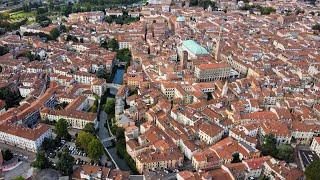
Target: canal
117 79
103 132
118 76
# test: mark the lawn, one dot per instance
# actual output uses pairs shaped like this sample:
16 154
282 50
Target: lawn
20 15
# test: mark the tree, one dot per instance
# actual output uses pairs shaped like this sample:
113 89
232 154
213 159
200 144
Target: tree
7 155
269 145
3 50
47 144
113 44
285 152
18 178
41 161
63 28
263 177
95 149
89 127
316 27
312 171
54 33
83 140
266 10
61 129
104 44
43 20
124 55
236 158
65 164
10 96
110 106
101 73
72 38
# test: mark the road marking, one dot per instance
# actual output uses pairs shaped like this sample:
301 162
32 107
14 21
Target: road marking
306 157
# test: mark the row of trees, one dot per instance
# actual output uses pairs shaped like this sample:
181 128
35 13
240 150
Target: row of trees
203 3
80 6
125 19
73 39
53 35
263 10
64 164
122 151
109 108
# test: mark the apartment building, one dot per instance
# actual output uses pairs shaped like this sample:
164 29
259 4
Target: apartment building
23 137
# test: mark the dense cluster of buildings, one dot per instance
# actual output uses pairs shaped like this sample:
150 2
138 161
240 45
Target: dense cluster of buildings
202 86
211 84
61 84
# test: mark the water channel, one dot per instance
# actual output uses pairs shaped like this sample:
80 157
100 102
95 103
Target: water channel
103 132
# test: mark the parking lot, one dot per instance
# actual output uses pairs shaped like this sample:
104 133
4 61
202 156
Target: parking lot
307 157
79 156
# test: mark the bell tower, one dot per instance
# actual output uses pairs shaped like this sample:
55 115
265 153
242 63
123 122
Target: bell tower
219 44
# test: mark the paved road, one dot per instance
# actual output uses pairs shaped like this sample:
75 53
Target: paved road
103 134
22 170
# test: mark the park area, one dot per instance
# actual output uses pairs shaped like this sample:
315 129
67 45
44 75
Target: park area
21 15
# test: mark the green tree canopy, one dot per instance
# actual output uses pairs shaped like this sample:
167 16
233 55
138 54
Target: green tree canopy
7 155
101 73
3 50
124 55
95 149
11 97
54 33
109 107
312 171
113 44
47 144
41 161
43 20
18 178
236 158
269 145
285 152
61 129
83 140
65 164
89 127
316 27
